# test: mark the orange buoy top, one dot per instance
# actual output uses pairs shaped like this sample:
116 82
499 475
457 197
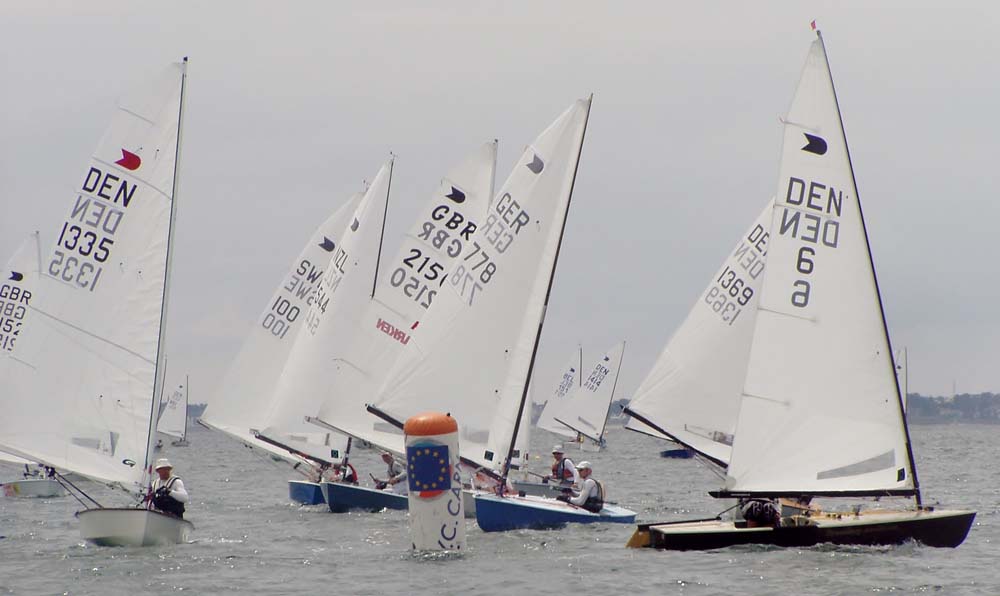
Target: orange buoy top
430 423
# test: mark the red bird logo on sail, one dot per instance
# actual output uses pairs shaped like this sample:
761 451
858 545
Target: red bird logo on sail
129 160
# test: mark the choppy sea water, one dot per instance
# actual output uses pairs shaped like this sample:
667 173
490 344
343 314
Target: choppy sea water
250 539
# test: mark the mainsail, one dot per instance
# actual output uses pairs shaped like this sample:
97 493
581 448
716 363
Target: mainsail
472 354
344 288
19 283
821 411
172 420
246 392
408 286
692 393
586 410
89 367
571 378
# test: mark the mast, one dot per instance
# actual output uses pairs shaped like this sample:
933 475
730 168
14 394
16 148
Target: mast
385 214
579 369
885 328
545 304
160 355
187 400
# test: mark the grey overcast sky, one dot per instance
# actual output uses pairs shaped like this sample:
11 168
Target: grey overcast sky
292 104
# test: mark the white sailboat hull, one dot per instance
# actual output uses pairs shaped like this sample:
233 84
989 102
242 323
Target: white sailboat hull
132 527
33 487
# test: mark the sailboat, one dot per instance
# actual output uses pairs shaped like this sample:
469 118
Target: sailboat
91 367
820 413
18 284
691 395
585 413
247 391
374 334
173 417
571 378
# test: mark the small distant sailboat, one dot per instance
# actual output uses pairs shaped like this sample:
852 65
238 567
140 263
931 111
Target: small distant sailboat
571 379
585 412
92 365
821 413
173 418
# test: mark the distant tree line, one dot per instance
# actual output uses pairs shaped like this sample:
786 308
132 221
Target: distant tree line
965 407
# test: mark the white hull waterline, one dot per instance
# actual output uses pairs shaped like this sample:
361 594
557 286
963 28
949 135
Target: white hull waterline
132 527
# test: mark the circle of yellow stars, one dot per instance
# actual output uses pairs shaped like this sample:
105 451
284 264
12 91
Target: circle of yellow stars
440 460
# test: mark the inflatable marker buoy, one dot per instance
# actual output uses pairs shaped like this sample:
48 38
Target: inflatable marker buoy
437 516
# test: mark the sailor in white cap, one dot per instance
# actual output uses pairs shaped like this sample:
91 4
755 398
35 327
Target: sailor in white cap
168 494
395 476
591 495
563 470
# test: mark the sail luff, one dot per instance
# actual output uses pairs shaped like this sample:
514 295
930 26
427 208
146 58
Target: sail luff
160 352
381 238
881 307
614 386
548 293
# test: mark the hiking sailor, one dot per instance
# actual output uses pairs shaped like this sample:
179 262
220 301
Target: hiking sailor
591 495
341 473
168 494
395 476
563 470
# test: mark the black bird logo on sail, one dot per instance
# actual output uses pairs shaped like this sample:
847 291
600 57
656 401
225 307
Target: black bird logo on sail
815 144
327 244
456 195
15 276
536 165
355 224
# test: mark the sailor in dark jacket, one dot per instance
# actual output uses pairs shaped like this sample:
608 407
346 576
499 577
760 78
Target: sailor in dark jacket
169 495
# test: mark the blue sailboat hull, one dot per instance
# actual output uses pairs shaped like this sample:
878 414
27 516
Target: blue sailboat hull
306 493
346 497
499 514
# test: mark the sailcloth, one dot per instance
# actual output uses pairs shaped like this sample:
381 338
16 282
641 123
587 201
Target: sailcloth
90 364
409 284
245 394
19 283
820 412
692 393
172 420
586 410
572 377
342 292
471 355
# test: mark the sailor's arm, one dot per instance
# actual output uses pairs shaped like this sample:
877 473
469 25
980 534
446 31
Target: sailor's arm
581 497
178 492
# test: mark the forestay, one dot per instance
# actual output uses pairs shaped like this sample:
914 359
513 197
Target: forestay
344 289
571 378
821 411
88 368
409 284
692 393
246 392
471 354
586 410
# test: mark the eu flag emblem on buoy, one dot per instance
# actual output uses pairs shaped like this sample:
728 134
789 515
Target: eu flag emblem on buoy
428 469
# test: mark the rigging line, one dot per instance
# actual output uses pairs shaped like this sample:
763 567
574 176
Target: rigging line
782 313
63 481
770 399
91 335
878 294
